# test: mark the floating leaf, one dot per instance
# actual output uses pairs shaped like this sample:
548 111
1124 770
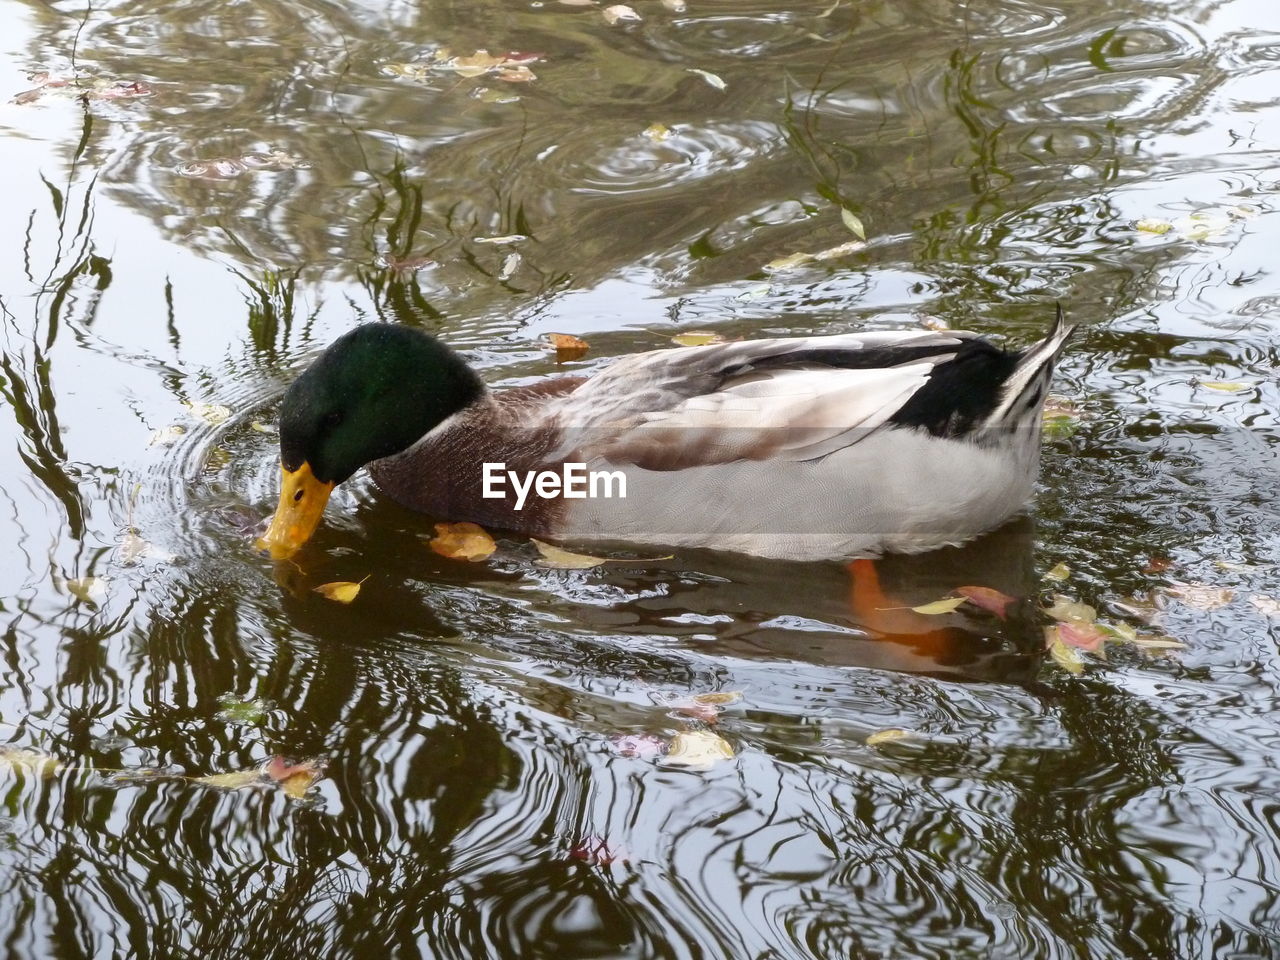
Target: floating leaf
263 427
1064 609
945 605
1079 634
555 558
988 599
933 323
568 347
23 759
888 736
853 223
462 541
479 63
503 240
1058 573
697 338
167 436
1200 595
619 12
1153 225
704 706
342 591
709 77
755 293
132 549
211 413
295 779
230 781
697 750
228 168
657 132
1064 656
1120 631
247 712
1226 386
720 698
642 745
90 590
675 6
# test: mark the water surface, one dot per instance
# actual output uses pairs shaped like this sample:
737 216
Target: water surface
267 175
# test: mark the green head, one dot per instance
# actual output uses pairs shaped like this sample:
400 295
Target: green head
372 393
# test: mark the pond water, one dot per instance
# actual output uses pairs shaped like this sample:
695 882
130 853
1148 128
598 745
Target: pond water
221 189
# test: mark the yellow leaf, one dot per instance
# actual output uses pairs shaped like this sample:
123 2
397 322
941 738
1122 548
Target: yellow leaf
479 63
1066 657
1153 225
22 759
1066 610
853 223
711 78
657 132
263 427
788 262
462 541
1226 386
945 605
295 779
888 736
230 781
697 750
1059 573
556 558
343 591
697 338
568 347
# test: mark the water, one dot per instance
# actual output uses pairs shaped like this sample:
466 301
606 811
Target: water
473 800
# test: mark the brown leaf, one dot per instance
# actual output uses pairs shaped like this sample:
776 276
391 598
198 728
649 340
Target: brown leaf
1083 636
462 541
568 347
295 779
988 599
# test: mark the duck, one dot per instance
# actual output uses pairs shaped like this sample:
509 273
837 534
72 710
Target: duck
796 448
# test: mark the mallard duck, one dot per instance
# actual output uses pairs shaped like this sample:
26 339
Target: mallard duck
798 448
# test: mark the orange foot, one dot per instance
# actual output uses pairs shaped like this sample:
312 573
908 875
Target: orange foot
893 620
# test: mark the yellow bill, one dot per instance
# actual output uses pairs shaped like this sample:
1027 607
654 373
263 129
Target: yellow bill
302 500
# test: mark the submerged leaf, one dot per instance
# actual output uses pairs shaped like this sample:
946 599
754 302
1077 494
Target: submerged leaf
788 262
568 347
342 591
711 78
642 745
839 250
945 605
988 598
167 436
24 759
888 736
510 264
248 712
462 541
697 750
1201 595
853 223
619 12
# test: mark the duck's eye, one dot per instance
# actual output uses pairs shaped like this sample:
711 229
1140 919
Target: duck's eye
331 420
